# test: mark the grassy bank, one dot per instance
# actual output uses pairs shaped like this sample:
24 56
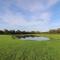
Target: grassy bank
14 49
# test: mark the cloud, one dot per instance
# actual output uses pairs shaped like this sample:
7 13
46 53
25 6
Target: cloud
42 18
12 19
36 5
52 2
30 5
38 13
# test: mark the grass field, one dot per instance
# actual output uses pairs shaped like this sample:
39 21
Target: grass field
14 49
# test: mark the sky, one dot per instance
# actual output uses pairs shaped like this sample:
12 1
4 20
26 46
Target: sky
30 15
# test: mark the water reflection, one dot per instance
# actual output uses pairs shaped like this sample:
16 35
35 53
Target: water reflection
31 37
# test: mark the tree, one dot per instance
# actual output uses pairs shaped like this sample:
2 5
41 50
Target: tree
12 32
58 30
6 31
18 32
52 31
1 32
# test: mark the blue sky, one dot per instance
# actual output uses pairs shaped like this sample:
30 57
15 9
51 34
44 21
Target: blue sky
37 15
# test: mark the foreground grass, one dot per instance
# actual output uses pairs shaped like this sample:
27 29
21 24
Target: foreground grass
13 49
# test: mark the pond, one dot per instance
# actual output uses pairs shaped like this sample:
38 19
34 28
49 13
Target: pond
33 38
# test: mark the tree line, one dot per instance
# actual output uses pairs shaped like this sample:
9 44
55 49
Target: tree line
55 31
6 31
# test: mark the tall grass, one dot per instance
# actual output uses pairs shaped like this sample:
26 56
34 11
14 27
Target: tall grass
13 49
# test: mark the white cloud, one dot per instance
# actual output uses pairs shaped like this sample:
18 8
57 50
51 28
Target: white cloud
35 21
40 19
52 2
36 5
12 19
46 16
40 16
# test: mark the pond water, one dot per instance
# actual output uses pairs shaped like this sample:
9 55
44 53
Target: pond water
34 38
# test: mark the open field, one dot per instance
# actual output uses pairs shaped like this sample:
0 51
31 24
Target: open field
14 49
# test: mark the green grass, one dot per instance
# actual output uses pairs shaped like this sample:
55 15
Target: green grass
14 49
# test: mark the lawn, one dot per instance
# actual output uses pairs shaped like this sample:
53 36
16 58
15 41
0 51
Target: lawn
14 49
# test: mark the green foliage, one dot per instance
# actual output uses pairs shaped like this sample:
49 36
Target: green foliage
12 49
